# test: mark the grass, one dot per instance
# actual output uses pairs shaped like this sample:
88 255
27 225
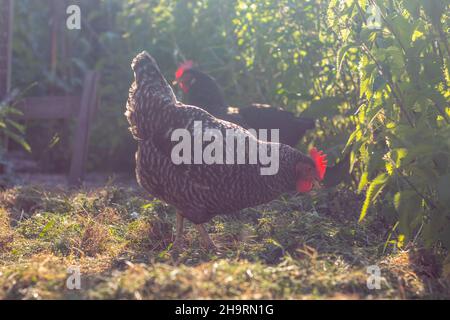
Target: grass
293 248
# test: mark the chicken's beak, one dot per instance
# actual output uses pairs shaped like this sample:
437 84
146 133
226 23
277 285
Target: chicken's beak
316 184
174 82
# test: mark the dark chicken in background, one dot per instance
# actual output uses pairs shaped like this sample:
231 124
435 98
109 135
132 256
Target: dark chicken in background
200 191
202 90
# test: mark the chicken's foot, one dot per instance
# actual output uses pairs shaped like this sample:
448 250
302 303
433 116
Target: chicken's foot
205 237
179 233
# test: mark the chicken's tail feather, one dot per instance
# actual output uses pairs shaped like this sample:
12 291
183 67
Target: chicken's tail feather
149 95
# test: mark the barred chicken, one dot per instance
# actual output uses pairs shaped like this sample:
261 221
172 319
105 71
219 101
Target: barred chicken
201 191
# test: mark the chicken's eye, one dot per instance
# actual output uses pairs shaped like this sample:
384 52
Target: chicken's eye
310 171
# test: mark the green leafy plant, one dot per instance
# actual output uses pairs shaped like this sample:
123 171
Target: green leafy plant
401 143
9 126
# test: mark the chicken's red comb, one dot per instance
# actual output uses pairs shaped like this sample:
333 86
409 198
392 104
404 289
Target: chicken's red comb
320 159
183 67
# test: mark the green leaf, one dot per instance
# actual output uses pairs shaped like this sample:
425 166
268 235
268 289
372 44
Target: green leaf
342 54
353 137
375 188
362 3
413 7
326 107
399 155
379 83
366 88
19 139
403 30
390 168
409 208
369 35
47 227
363 181
18 126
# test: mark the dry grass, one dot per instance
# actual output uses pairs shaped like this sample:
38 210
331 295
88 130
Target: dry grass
6 232
302 248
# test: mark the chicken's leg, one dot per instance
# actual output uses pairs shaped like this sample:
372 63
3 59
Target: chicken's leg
205 237
179 234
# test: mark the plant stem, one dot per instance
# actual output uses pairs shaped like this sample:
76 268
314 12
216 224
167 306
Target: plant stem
391 84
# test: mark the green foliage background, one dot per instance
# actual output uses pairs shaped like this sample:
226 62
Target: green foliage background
380 93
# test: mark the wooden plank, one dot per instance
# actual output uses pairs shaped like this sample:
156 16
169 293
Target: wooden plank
6 20
56 107
81 140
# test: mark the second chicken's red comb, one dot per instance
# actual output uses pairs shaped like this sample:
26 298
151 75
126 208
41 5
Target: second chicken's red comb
183 67
320 159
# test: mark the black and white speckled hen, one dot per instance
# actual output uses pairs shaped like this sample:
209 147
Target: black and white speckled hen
202 90
201 191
